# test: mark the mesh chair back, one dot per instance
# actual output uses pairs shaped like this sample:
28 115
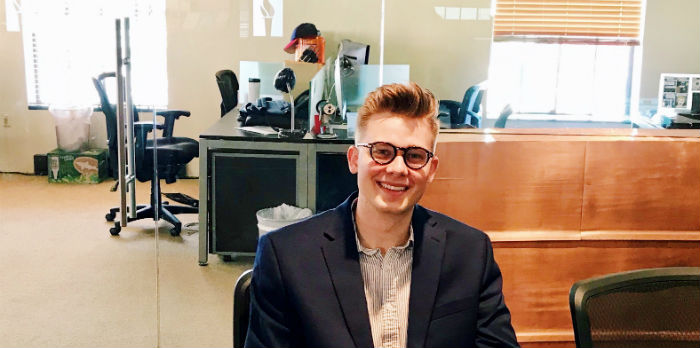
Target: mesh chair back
470 107
110 113
647 308
228 87
241 308
107 108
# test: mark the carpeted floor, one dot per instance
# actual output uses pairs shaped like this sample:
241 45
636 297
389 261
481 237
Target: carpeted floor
66 282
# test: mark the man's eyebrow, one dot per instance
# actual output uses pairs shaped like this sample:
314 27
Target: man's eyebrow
420 146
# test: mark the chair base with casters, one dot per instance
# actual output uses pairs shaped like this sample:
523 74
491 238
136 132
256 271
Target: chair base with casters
148 211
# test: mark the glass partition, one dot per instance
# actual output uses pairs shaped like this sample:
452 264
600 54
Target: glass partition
450 47
247 37
443 46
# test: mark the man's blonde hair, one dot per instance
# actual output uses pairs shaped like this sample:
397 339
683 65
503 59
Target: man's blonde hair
411 101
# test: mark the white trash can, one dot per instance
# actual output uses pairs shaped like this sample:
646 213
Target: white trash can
72 126
270 219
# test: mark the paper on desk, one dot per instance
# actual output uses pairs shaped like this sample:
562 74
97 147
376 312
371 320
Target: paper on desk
264 130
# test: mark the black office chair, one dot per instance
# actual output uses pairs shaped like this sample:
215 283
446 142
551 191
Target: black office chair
464 114
228 86
173 154
658 307
241 308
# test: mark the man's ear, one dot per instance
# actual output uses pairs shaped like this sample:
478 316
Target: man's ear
352 159
432 169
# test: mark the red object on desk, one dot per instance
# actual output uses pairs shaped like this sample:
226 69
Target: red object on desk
317 125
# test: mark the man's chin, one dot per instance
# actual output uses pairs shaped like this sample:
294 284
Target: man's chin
397 208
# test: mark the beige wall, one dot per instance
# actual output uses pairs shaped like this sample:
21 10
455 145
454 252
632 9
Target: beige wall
446 56
203 37
671 42
29 132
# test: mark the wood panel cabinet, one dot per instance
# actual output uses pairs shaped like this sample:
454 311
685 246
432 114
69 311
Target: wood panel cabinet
565 208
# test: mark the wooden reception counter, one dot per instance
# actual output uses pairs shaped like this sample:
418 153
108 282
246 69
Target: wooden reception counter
569 206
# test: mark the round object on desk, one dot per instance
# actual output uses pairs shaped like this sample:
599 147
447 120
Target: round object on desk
329 109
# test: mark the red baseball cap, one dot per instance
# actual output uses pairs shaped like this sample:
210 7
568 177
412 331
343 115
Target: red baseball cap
302 31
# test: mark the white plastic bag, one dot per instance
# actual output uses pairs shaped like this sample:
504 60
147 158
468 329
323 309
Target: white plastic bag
72 126
277 217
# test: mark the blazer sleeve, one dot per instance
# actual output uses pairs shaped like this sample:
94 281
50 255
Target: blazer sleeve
493 322
269 323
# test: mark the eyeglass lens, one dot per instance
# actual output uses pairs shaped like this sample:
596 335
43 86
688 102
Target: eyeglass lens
414 157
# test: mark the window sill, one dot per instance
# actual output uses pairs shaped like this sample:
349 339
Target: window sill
46 107
94 109
563 117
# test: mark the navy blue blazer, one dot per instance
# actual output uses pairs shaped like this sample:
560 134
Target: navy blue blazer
307 288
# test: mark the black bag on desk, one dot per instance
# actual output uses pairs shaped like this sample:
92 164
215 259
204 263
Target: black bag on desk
276 113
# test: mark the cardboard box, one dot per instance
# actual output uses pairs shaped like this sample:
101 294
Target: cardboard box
81 167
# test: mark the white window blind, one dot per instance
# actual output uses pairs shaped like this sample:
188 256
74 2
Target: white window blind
569 21
67 42
560 82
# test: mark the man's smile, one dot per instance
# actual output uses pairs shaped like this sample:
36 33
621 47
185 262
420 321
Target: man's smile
394 188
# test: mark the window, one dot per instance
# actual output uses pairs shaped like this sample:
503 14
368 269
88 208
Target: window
565 60
67 42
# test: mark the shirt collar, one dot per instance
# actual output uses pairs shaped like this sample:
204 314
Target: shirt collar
368 251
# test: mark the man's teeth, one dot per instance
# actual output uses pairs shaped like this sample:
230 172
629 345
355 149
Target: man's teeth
393 188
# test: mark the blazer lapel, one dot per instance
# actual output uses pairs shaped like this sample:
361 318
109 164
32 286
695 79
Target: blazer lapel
342 260
429 247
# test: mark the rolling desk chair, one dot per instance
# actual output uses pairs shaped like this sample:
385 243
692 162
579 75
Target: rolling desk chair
466 113
228 87
503 117
241 308
173 154
656 307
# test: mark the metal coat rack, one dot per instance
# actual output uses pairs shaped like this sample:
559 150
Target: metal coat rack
125 125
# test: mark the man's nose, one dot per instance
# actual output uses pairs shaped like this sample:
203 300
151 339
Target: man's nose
397 165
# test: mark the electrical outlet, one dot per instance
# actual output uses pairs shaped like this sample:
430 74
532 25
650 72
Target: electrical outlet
5 121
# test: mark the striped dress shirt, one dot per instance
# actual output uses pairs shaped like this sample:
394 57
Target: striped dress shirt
387 283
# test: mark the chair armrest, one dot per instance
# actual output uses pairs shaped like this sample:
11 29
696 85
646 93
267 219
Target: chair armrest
145 126
170 116
173 113
141 130
475 119
448 111
503 117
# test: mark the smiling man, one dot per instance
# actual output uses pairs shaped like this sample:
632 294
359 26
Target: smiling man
380 270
